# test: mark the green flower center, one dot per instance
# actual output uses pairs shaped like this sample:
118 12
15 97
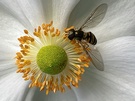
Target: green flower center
52 59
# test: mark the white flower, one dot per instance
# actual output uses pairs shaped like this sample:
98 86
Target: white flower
115 43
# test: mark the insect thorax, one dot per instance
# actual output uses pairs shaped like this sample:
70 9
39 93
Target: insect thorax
79 35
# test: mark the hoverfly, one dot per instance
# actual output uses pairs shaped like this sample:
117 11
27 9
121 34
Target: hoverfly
88 39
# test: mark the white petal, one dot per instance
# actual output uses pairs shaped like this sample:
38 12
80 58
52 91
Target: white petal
10 28
119 19
36 95
33 11
7 60
11 87
117 82
12 7
47 8
30 13
61 12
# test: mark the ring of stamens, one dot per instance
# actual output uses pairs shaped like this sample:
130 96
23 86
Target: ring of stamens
30 45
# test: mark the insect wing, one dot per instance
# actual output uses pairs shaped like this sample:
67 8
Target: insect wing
96 58
94 54
96 16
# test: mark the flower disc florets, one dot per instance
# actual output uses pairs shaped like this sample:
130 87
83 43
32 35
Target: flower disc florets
52 59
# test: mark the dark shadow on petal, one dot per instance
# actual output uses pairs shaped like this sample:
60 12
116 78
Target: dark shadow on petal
23 94
69 95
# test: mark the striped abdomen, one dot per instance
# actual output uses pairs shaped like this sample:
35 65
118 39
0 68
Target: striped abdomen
90 38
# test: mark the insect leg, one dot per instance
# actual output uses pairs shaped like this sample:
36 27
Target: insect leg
85 47
85 44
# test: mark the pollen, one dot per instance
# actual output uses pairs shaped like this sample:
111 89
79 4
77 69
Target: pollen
50 60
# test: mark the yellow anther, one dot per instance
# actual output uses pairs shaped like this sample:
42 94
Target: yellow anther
21 45
82 69
52 29
18 70
35 30
83 58
26 46
47 91
30 85
32 78
20 65
46 27
65 36
25 50
39 29
78 72
45 33
78 50
36 34
27 71
58 33
24 53
26 78
26 31
20 40
77 45
67 29
62 89
78 66
68 78
19 55
36 81
50 23
27 62
43 85
31 39
43 26
73 42
86 65
24 75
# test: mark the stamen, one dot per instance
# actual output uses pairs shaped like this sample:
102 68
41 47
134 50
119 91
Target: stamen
67 29
26 59
26 31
